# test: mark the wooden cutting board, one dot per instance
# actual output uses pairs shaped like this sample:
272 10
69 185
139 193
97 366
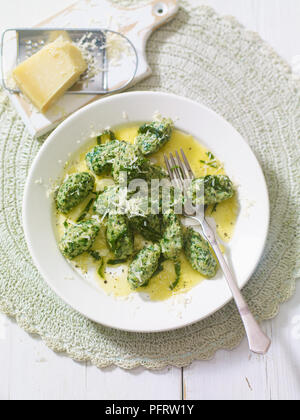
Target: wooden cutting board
136 23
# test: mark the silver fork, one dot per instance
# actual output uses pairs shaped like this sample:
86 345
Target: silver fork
180 171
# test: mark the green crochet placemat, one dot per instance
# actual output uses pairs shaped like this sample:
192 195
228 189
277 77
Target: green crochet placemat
215 61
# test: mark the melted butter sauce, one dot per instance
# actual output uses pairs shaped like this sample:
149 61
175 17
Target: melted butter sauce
115 277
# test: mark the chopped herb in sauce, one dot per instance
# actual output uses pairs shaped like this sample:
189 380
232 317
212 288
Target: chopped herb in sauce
86 210
117 261
101 269
212 165
160 267
177 266
214 209
211 162
107 135
95 255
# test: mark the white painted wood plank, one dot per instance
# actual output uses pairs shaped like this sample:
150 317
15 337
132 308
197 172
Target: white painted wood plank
20 13
30 370
38 373
277 21
283 364
5 359
236 375
278 24
138 384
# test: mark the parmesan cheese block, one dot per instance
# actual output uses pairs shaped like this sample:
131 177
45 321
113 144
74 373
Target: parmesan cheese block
48 74
61 35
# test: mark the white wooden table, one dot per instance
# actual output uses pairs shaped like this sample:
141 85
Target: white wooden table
29 370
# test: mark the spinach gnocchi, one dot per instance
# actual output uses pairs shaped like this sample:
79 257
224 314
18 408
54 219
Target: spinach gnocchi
216 188
107 222
119 236
79 238
154 136
144 266
101 158
74 191
199 254
107 199
128 162
172 240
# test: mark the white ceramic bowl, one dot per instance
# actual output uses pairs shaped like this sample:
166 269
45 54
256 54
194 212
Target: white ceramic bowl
138 314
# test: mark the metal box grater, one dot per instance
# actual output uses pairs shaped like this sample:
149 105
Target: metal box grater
109 77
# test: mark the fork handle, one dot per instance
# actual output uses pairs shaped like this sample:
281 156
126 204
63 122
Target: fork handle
259 342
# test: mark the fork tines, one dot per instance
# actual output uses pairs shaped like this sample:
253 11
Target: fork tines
179 170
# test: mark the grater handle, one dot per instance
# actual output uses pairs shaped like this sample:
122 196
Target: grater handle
3 80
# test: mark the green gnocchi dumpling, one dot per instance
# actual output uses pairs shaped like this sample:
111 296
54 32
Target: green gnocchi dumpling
144 265
128 162
119 236
74 191
79 238
172 241
108 201
101 158
199 254
152 137
217 188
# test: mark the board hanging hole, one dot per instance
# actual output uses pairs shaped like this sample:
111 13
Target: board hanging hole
160 9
